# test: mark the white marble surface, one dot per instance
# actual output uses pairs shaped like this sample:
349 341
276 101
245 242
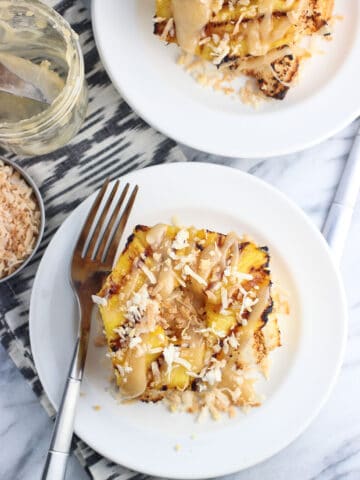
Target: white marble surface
330 448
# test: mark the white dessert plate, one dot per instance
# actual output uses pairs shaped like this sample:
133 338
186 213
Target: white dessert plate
145 72
143 436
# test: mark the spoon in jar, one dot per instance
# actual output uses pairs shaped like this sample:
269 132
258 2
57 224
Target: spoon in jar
11 83
26 79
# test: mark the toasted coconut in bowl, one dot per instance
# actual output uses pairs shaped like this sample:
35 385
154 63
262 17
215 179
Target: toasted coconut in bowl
22 219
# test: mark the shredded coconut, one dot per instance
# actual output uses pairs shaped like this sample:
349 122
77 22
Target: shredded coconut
124 369
136 306
134 342
181 240
212 376
148 273
188 271
19 220
155 371
243 276
169 29
172 355
224 299
99 300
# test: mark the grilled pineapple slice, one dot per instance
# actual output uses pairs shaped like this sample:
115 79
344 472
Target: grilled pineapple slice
230 12
177 302
262 30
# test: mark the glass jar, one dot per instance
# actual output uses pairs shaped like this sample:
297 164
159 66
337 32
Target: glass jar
33 32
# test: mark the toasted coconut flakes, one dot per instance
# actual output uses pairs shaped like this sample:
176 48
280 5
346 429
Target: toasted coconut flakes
204 413
232 411
99 300
136 306
237 25
19 220
134 342
180 280
148 273
211 295
188 271
227 272
249 303
243 276
181 240
168 29
251 95
212 376
224 299
234 394
216 287
172 355
204 40
218 333
172 255
155 371
230 341
159 19
188 400
169 355
155 350
157 257
124 369
233 342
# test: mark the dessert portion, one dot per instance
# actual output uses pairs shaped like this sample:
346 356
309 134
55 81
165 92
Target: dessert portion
263 39
19 220
189 318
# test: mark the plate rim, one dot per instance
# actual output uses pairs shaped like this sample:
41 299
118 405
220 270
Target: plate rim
342 300
295 147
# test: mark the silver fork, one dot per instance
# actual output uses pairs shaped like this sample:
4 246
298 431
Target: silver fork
92 260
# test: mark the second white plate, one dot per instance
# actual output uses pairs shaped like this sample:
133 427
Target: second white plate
145 72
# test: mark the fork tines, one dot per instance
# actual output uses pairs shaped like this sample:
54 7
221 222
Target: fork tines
105 223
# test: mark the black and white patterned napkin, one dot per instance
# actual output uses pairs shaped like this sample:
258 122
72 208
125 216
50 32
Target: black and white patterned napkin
112 142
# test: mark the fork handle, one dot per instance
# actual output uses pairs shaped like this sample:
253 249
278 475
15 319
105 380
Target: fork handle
60 445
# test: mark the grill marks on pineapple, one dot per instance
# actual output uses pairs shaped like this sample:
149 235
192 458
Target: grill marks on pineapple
274 81
113 289
285 69
268 310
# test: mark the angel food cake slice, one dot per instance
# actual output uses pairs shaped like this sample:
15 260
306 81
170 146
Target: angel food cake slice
188 316
262 39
